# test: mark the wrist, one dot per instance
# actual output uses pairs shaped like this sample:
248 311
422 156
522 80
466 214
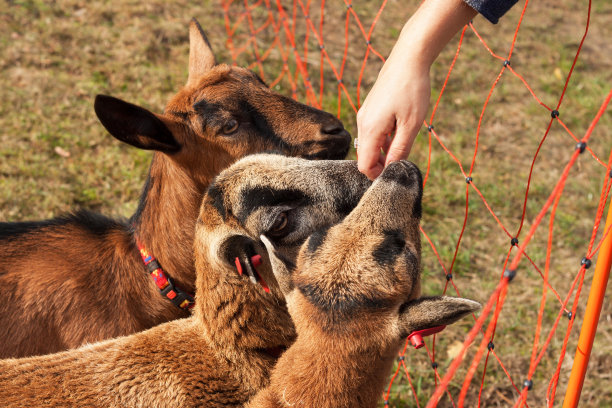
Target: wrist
415 45
410 57
429 29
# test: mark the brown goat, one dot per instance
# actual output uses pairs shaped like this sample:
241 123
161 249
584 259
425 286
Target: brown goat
79 278
354 297
223 354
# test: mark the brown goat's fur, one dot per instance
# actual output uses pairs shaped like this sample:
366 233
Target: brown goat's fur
79 278
353 296
223 354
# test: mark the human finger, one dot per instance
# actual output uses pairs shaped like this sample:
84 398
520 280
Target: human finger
369 160
401 144
387 144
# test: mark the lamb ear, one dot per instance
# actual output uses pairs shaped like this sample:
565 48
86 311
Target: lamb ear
281 267
201 57
428 312
134 125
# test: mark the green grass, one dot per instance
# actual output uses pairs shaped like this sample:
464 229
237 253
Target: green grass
56 56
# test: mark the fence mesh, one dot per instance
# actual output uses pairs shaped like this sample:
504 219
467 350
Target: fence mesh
534 221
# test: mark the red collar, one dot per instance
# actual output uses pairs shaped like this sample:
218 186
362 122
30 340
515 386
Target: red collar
179 297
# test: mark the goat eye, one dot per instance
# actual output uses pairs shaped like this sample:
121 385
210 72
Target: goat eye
279 224
230 127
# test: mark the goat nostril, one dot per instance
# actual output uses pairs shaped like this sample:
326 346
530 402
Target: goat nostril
332 128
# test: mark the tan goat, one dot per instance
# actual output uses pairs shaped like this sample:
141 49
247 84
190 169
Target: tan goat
354 297
80 278
223 354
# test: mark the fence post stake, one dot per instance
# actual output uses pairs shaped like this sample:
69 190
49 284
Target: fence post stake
591 317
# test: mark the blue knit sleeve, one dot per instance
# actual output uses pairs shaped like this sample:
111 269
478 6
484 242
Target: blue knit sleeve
492 10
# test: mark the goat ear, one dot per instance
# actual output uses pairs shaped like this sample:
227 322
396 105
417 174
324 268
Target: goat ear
428 312
134 125
281 267
201 57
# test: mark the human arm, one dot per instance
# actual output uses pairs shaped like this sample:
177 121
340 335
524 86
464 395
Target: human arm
399 99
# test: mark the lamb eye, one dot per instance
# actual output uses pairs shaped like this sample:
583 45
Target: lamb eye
230 127
280 223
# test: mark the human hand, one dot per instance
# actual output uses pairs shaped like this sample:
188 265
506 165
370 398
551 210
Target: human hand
399 99
398 102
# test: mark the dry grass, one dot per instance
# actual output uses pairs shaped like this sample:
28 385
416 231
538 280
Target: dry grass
57 55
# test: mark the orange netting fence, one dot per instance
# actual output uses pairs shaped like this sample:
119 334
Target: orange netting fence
300 45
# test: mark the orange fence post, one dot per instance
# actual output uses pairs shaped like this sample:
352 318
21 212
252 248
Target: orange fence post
591 317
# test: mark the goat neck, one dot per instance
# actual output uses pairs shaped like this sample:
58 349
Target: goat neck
165 220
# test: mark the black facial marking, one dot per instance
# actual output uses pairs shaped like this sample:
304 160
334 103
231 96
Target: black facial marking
346 195
216 196
263 127
341 303
316 239
184 116
392 245
204 107
209 112
255 197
